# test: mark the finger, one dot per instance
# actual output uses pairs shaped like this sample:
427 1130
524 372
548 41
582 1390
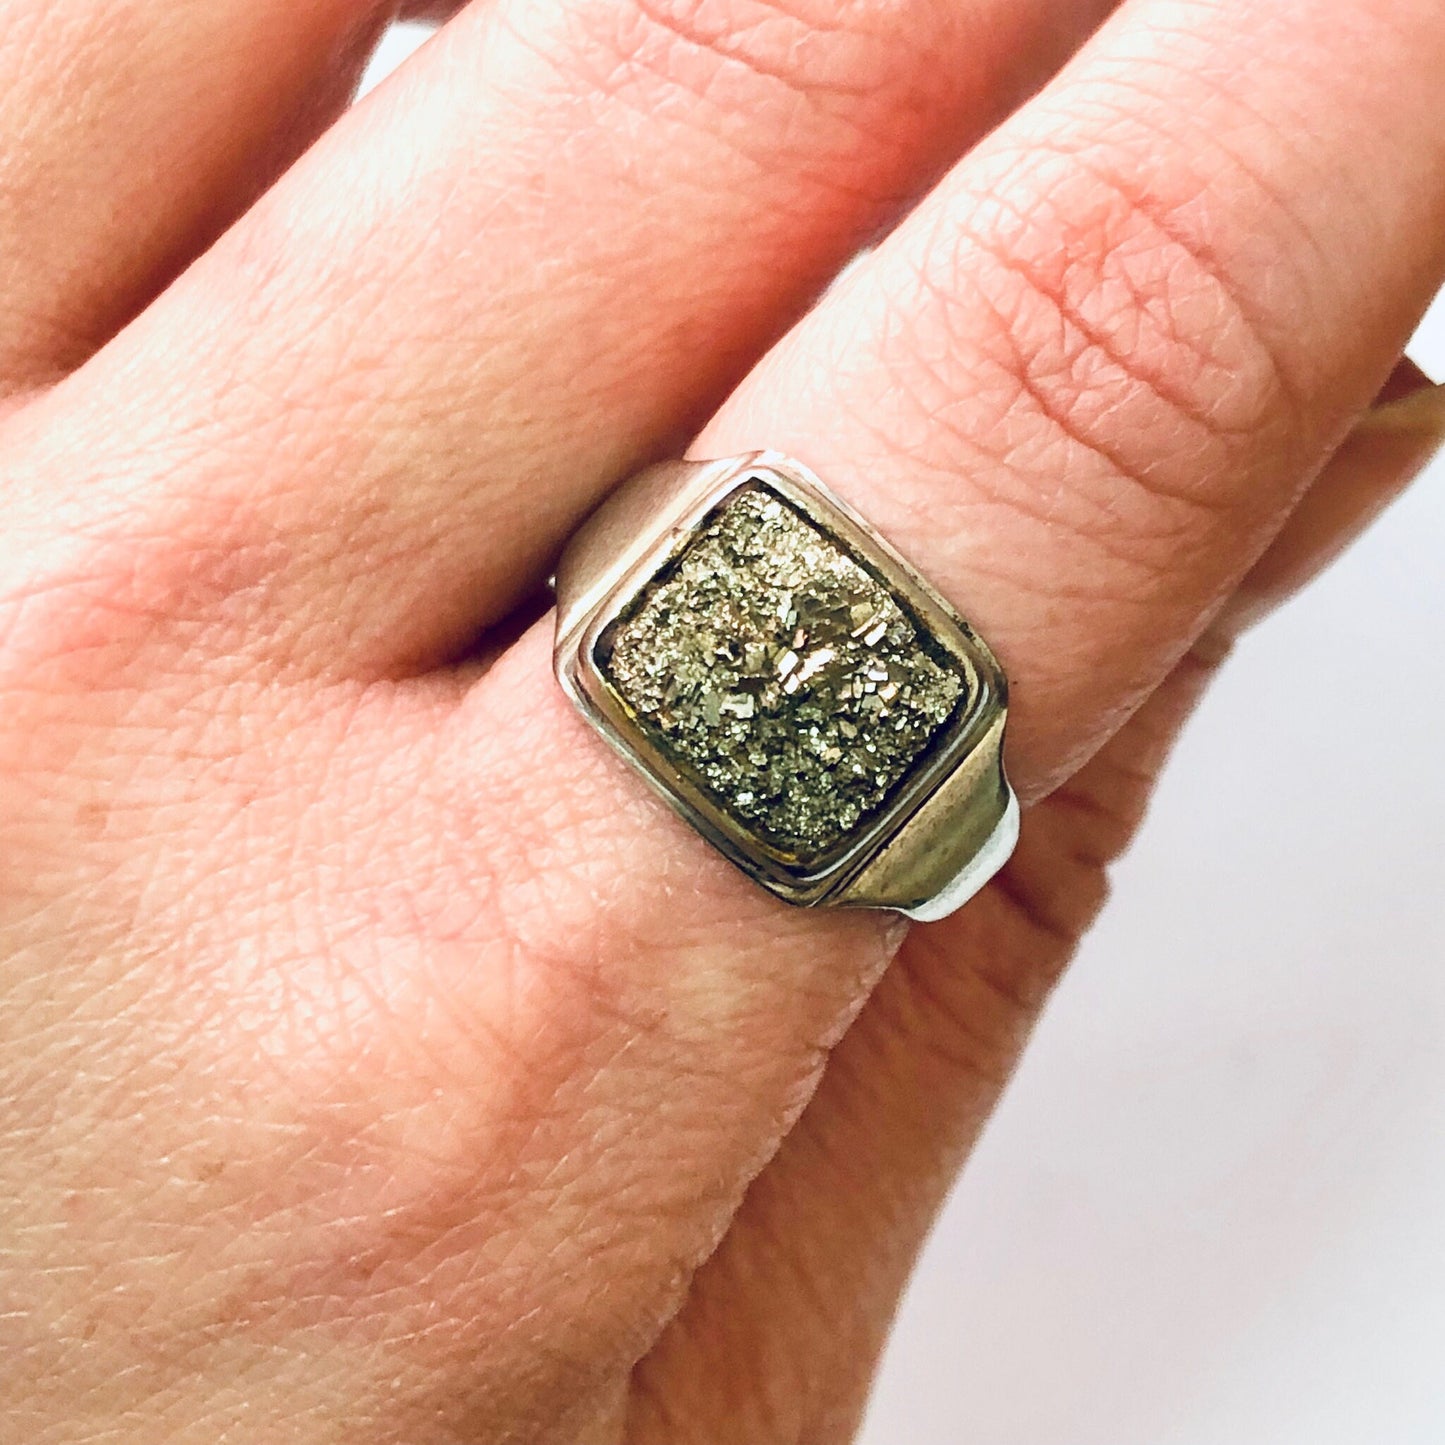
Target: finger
133 131
1090 502
436 365
862 1176
1084 383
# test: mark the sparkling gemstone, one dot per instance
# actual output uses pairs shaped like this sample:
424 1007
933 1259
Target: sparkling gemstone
770 665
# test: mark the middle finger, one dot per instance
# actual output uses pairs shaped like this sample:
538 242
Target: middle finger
607 210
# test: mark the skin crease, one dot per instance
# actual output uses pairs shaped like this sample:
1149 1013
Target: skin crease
377 1061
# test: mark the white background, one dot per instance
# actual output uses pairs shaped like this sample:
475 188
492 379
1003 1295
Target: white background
1211 1209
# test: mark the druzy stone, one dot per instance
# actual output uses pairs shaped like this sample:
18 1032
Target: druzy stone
778 673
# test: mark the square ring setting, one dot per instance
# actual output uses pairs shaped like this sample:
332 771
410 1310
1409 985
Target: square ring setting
790 685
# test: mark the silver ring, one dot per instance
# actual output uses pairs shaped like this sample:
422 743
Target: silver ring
789 685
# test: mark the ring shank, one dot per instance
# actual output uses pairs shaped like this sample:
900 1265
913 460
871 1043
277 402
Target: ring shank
938 852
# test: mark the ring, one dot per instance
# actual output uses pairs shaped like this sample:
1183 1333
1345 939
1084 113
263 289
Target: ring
789 685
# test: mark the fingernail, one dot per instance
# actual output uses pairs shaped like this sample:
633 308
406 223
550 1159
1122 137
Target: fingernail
1403 436
1420 414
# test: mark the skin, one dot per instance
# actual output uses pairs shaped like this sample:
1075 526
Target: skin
378 1062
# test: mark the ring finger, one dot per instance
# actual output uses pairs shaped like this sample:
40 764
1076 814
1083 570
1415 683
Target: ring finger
1082 387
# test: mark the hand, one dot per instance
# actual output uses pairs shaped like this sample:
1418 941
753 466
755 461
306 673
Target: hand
378 1061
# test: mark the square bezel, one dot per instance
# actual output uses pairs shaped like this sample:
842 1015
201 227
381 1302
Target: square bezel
675 529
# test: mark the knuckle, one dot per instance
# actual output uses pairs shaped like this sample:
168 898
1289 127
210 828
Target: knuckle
71 627
1076 319
82 612
722 51
136 571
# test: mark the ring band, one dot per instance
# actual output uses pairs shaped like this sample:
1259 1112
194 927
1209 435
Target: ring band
789 685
